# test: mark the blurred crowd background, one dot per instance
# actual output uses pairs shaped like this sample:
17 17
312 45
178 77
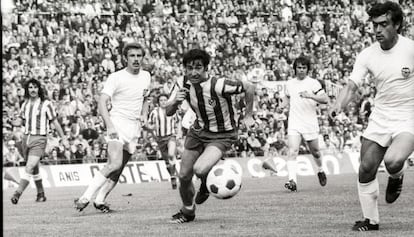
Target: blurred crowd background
72 46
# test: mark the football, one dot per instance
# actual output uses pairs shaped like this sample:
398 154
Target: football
224 181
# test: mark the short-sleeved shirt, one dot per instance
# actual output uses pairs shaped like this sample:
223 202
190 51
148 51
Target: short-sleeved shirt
127 92
392 72
37 115
302 111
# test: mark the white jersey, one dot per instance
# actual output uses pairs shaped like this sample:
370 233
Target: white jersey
302 111
127 93
393 74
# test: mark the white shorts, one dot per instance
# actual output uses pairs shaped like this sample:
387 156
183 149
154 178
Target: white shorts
383 131
307 136
128 132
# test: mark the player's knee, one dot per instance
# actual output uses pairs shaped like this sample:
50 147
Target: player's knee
30 168
200 171
316 154
293 152
114 166
366 170
394 165
185 178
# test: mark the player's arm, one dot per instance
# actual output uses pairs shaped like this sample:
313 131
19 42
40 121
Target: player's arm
58 128
344 97
320 96
249 90
145 111
285 102
172 106
103 111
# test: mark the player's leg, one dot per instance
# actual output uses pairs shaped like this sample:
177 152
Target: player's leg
186 187
294 141
368 189
395 162
314 150
32 162
39 184
171 165
114 163
109 185
210 156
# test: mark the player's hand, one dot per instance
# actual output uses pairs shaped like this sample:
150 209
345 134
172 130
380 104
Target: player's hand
248 121
112 133
334 111
182 94
306 95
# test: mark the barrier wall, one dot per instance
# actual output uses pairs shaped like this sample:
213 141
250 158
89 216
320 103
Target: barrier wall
137 172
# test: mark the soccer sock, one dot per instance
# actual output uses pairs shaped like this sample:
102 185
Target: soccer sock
189 210
104 191
96 183
368 197
318 162
291 167
24 182
38 181
399 173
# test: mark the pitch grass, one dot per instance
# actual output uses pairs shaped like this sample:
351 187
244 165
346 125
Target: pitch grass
262 208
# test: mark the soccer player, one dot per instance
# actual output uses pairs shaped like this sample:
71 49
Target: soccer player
164 127
36 112
303 94
125 90
390 132
214 130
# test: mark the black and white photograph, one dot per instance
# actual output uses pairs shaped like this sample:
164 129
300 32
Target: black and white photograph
208 118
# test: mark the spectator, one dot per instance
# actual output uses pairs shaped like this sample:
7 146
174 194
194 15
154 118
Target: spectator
90 133
12 157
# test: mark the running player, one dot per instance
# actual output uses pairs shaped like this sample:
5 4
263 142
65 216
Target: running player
125 90
214 129
165 131
36 112
303 94
390 132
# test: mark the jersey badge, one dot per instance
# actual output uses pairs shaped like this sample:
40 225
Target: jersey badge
405 71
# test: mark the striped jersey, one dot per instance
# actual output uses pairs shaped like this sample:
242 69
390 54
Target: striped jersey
164 125
37 115
213 104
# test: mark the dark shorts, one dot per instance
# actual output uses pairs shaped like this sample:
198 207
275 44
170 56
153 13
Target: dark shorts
163 143
199 140
34 145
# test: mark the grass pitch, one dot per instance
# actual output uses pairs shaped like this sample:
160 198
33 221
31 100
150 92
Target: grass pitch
262 208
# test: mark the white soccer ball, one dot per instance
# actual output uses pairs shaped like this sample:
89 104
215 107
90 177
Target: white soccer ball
224 181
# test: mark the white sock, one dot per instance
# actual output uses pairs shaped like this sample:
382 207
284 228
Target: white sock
318 162
368 197
95 184
104 191
291 167
399 173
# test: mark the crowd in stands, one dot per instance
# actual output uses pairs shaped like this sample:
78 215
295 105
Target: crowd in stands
72 46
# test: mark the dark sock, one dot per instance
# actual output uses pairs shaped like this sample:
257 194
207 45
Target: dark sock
39 186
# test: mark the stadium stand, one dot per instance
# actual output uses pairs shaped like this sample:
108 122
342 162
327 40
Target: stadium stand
72 46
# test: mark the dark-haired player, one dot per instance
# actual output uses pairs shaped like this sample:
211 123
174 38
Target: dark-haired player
165 130
214 129
390 132
303 94
37 112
